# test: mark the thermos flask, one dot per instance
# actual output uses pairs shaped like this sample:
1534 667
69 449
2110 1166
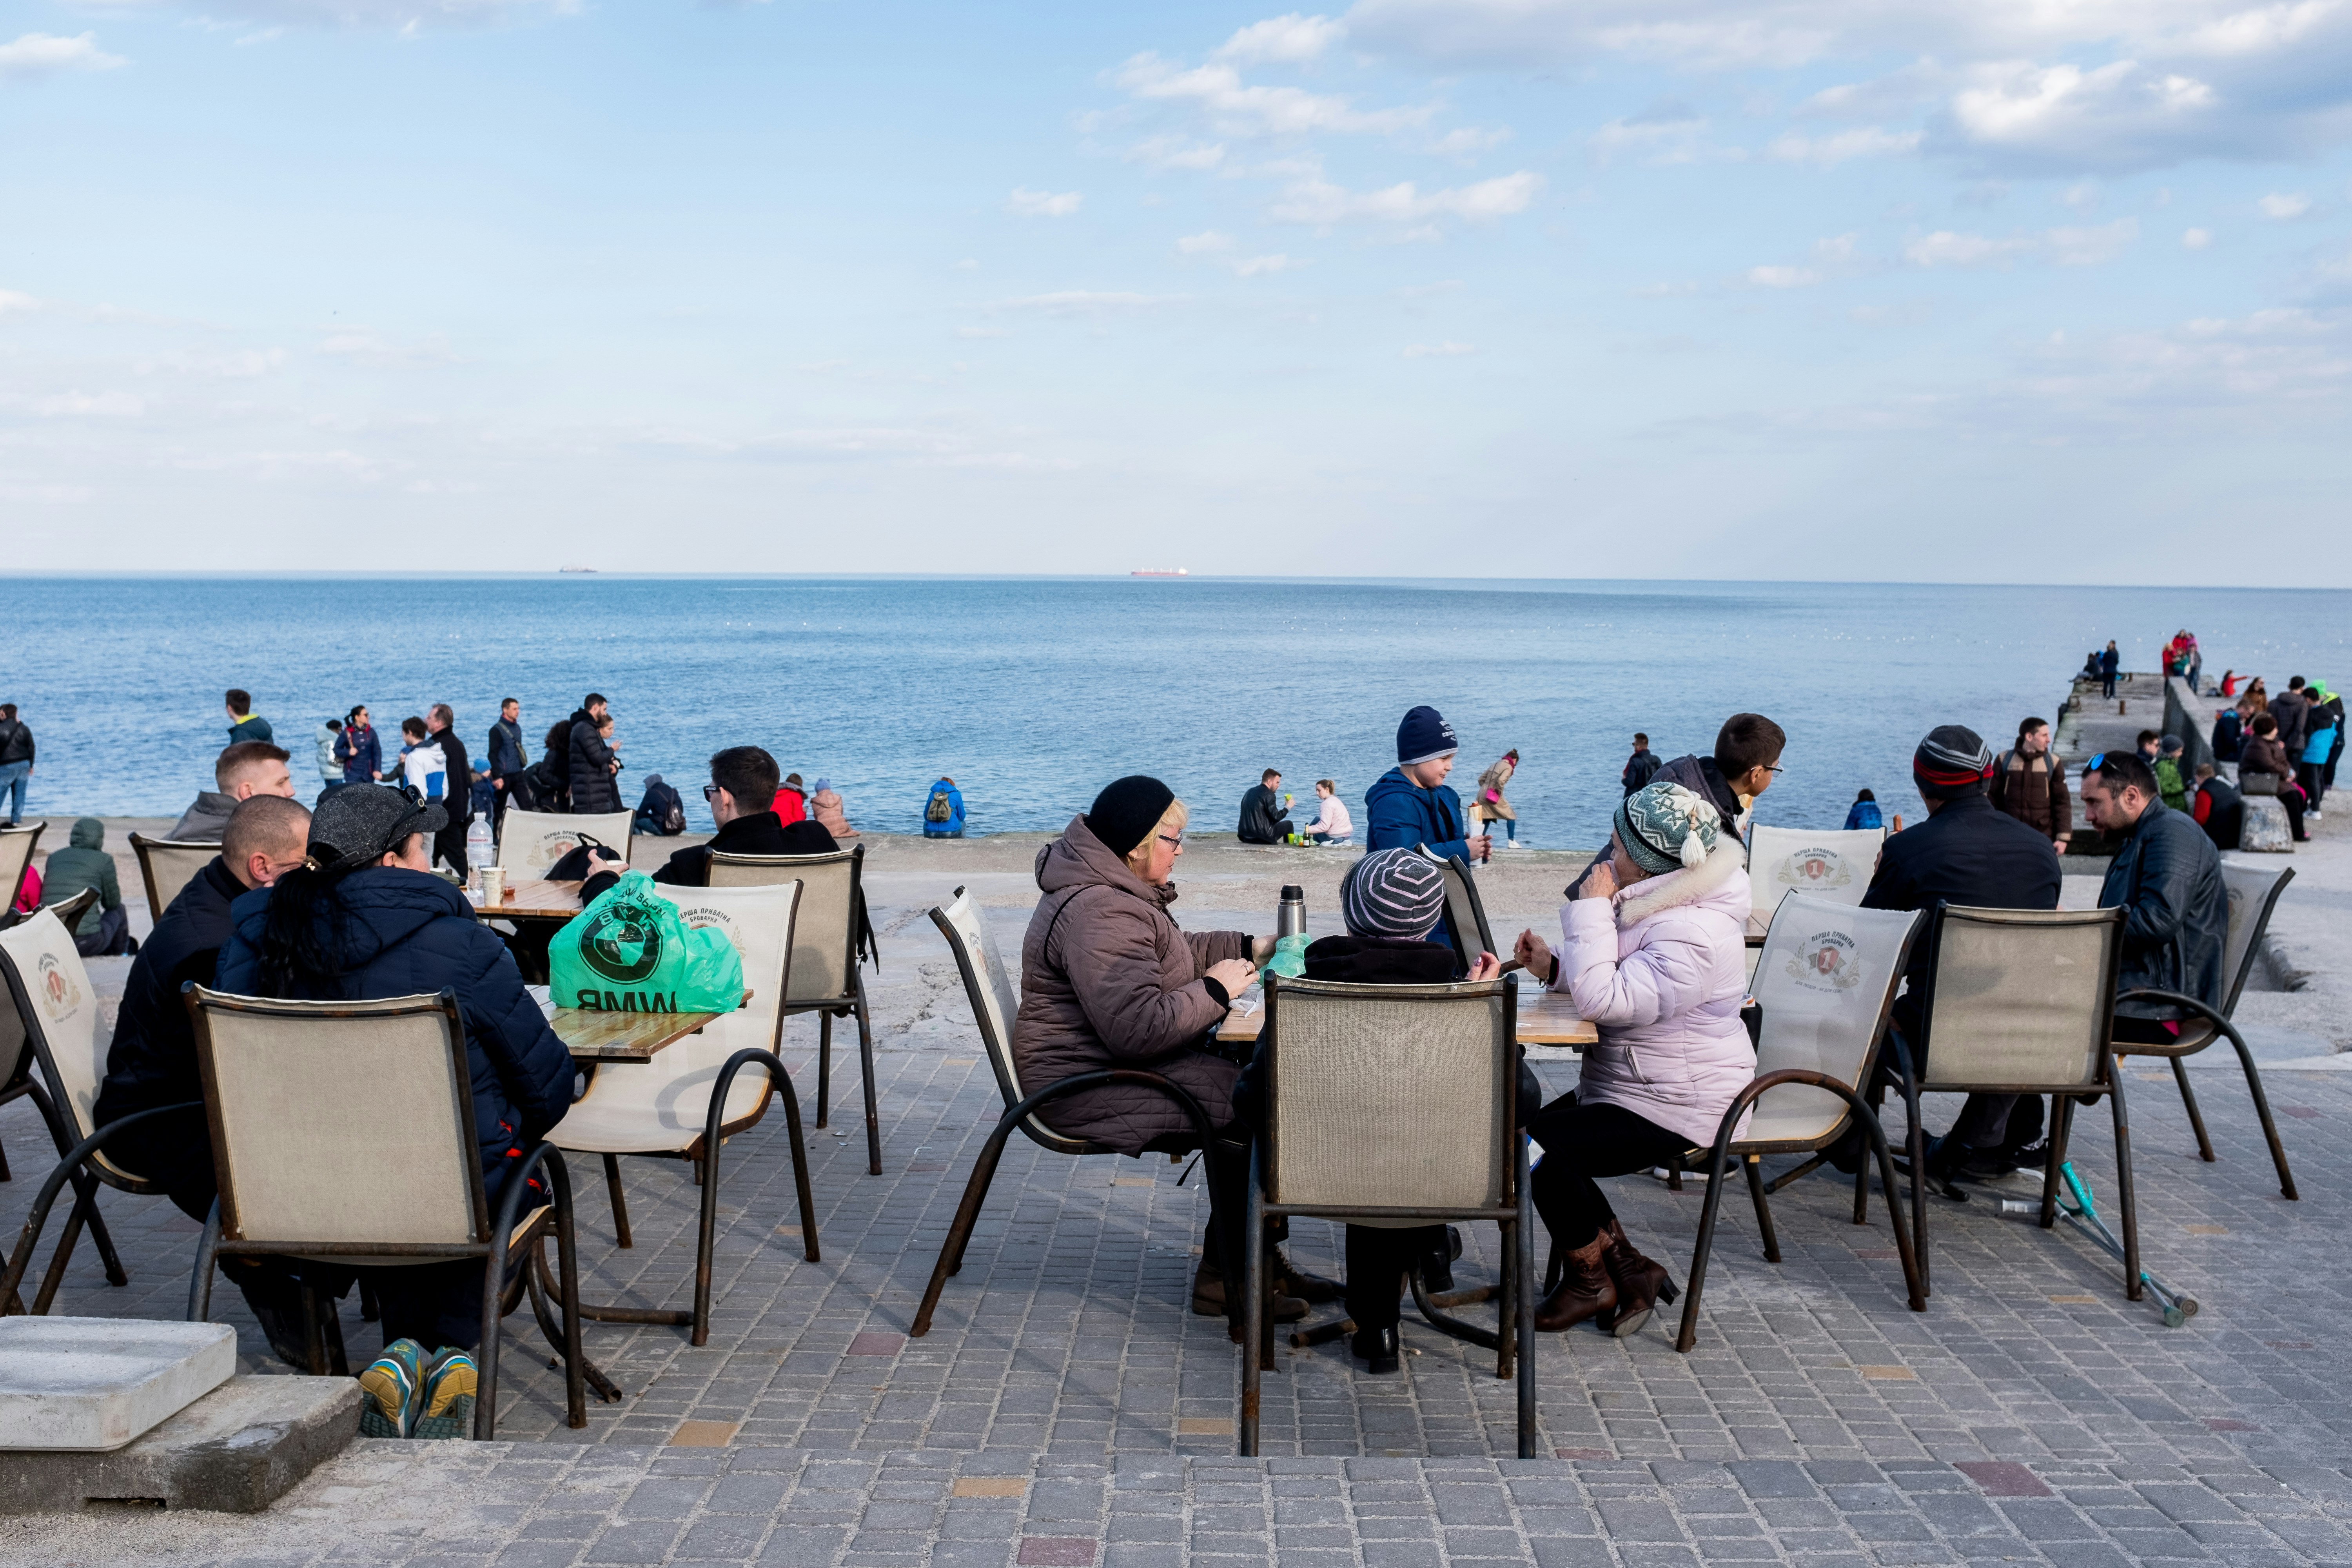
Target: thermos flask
1290 919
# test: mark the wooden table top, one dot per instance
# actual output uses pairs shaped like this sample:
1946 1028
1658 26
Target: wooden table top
622 1036
534 900
1545 1019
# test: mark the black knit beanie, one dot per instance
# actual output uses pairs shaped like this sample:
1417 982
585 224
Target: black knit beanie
1128 809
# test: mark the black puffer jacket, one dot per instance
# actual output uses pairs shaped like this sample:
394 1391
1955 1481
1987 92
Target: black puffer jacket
2167 875
153 1061
405 933
593 786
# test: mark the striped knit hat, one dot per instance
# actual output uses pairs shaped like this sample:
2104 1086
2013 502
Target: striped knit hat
1951 762
1393 893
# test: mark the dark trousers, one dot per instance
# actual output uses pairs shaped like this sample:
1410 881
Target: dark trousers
2108 680
1580 1144
112 938
435 1304
1377 1260
2307 775
450 844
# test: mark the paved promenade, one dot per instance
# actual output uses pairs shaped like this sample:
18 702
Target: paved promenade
1067 1407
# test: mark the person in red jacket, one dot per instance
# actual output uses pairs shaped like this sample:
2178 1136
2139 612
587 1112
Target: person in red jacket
792 801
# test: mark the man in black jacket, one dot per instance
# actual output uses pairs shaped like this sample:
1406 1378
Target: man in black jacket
457 793
742 784
1969 853
2166 877
509 761
591 767
153 1059
1264 816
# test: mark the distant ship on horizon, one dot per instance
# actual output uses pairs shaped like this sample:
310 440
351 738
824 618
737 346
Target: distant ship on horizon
1159 571
590 570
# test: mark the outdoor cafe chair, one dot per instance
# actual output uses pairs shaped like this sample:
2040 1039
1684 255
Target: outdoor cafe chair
343 1133
1824 989
531 841
2021 1002
691 1096
826 936
56 1025
168 865
1465 912
1836 866
1397 1106
995 1005
2253 892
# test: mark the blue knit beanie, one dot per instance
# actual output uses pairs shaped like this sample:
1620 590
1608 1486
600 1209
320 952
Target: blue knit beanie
1425 736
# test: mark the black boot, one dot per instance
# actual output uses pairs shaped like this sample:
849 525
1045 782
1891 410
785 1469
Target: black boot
1378 1348
1291 1280
1585 1290
1209 1296
1437 1262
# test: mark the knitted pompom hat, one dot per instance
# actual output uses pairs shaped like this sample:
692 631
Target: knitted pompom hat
1950 761
1393 893
1665 828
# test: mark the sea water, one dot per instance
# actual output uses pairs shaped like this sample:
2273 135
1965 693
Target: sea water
1033 693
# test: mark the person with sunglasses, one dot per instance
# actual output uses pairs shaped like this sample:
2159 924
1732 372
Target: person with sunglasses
741 795
1109 980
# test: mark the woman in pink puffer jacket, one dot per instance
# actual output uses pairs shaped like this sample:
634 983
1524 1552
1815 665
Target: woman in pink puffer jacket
1653 951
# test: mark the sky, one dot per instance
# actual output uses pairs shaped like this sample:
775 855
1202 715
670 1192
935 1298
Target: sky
1969 290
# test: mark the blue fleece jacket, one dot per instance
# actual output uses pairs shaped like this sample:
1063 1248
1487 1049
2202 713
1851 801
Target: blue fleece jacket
1400 815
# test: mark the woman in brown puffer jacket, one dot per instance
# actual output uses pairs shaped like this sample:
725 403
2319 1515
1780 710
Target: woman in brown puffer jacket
1109 980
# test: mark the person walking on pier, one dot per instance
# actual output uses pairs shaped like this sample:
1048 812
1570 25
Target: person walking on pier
1491 807
2109 662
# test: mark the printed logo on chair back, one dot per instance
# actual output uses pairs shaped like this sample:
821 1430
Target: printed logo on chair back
1826 962
60 997
1813 868
551 846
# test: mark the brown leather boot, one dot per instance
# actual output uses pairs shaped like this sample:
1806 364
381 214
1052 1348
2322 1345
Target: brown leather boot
1642 1283
1585 1290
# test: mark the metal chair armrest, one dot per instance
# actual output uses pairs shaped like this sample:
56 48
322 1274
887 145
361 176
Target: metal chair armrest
21 1258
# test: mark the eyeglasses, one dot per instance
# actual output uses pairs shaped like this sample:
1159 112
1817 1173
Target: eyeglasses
710 792
1177 841
1773 768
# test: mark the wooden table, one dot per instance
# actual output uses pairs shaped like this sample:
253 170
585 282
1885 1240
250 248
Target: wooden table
621 1037
535 900
1545 1019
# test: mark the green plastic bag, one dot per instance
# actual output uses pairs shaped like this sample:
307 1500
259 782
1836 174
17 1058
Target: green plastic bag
1289 959
630 951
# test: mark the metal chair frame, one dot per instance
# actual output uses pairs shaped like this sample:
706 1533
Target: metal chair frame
145 847
494 1239
1465 912
2104 1080
849 1004
1020 1114
12 867
1514 1338
1750 1153
57 1108
2222 1027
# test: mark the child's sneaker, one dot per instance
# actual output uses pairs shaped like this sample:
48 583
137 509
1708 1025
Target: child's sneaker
448 1407
390 1390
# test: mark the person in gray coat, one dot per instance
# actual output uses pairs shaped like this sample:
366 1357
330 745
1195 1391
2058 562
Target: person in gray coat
2167 877
1109 980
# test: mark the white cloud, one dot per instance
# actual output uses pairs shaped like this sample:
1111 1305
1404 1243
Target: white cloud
361 346
1208 242
1863 142
1286 40
43 54
12 301
1783 277
1177 153
1439 350
2283 205
2196 238
982 333
1043 204
1317 201
2066 246
1469 139
1662 134
1257 265
1238 109
89 405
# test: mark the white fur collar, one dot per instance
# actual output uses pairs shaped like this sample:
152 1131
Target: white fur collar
1655 895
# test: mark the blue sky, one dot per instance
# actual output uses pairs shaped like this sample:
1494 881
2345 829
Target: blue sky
1954 289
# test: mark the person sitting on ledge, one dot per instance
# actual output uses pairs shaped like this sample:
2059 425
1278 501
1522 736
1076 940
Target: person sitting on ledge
1264 819
242 771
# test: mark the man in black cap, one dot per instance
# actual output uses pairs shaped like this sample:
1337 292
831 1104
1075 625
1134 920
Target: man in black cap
1965 853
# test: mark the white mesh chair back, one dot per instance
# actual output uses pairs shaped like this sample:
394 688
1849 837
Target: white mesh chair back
661 1105
2253 890
825 928
17 846
2021 998
1465 912
995 1004
1357 1065
168 865
58 1006
1832 866
340 1122
531 841
1824 979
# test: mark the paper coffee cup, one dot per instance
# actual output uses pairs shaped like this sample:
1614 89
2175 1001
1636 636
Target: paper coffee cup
494 884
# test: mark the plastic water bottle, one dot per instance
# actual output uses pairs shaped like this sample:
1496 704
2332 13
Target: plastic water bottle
477 851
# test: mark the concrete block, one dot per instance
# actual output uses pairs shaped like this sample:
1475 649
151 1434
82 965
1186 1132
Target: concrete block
237 1450
98 1383
2266 831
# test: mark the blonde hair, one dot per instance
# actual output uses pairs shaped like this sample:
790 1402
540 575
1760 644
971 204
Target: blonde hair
1171 820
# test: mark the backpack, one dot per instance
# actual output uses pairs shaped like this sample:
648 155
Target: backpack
661 812
941 808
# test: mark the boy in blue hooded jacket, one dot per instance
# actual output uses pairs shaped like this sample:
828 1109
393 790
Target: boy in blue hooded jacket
1412 805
